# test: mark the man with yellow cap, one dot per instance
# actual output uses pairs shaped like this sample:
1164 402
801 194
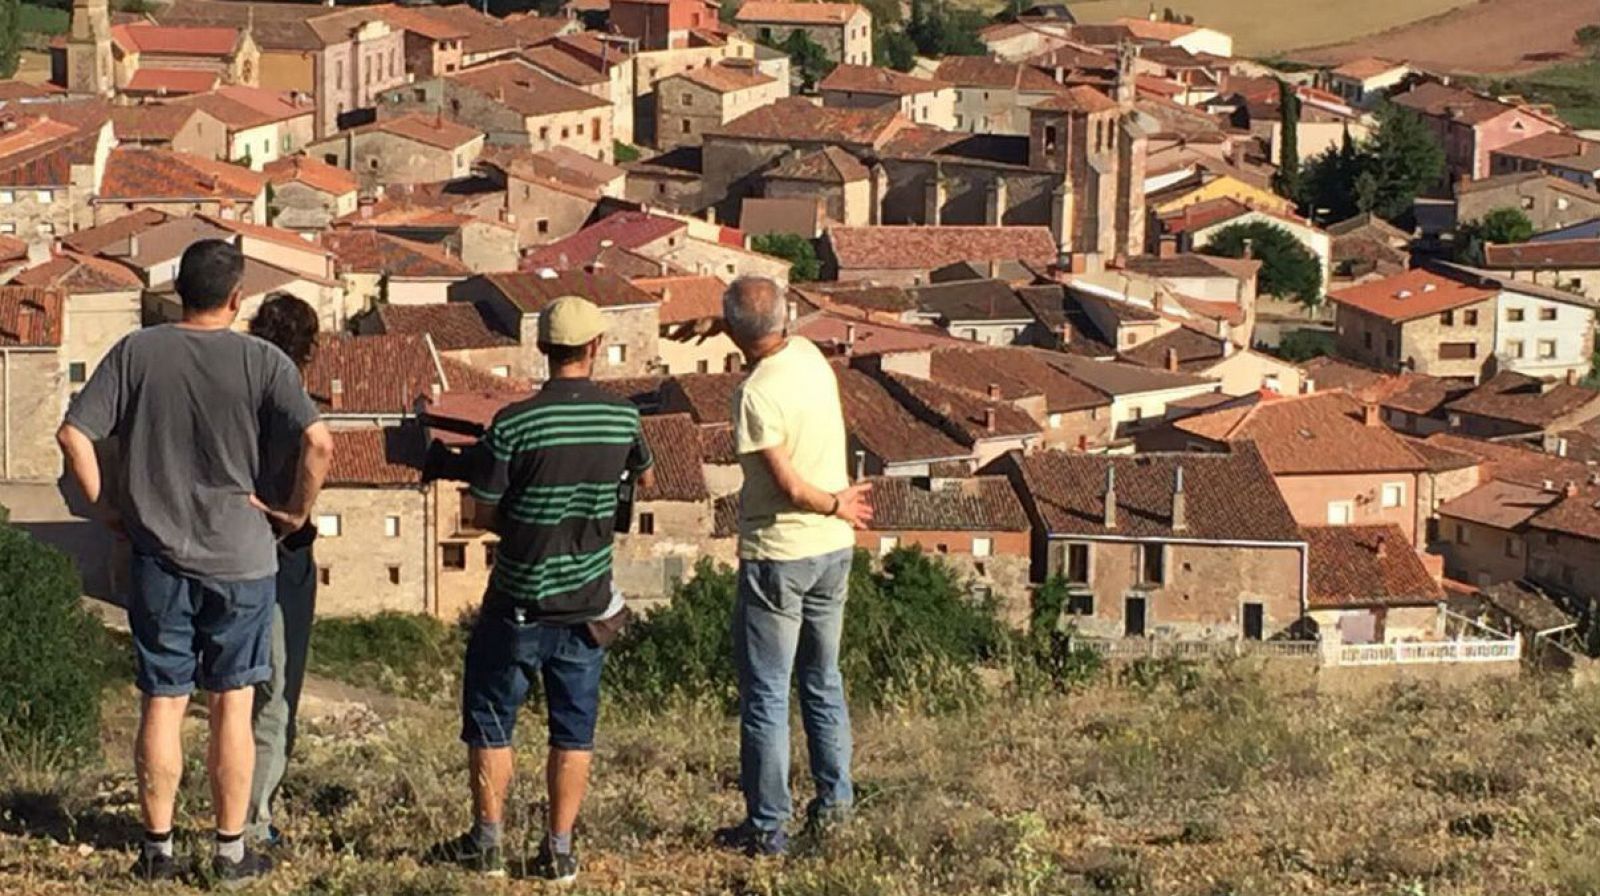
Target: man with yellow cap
547 476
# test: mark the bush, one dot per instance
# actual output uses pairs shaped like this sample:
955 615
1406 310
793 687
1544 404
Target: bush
410 655
54 652
1046 656
911 633
793 248
1300 346
1288 269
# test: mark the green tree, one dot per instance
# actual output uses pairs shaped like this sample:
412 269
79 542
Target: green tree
793 248
10 36
1299 346
55 652
941 31
807 58
892 47
1287 179
1500 225
1288 269
1406 159
1588 37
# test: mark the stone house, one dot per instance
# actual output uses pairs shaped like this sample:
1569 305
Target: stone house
993 97
988 312
103 304
406 149
374 547
306 195
1239 371
925 101
50 172
975 524
843 30
1367 585
1541 331
672 520
886 438
689 104
1179 546
1567 156
843 184
459 331
181 128
600 64
907 255
546 206
1419 321
1140 396
146 56
378 380
662 24
514 104
177 184
379 269
33 397
1572 265
1517 406
1564 544
1365 82
433 43
1471 126
1482 534
983 423
261 125
1550 202
513 302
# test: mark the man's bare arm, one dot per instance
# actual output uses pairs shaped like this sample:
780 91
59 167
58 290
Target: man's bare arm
852 505
83 462
316 455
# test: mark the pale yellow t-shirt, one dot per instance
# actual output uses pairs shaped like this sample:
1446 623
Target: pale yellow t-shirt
791 399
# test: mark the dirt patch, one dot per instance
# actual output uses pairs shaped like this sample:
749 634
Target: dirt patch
1491 37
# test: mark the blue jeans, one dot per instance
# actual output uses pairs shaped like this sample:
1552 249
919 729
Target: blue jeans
190 631
791 612
504 654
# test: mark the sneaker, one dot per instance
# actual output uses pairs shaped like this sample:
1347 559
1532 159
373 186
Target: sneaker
465 851
753 841
556 867
153 867
233 875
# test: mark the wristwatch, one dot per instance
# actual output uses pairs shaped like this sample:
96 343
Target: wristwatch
835 510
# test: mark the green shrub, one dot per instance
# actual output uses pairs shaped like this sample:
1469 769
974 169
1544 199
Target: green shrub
684 647
410 655
54 651
1046 657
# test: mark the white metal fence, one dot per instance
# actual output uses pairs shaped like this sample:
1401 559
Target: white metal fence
1153 648
1421 652
1396 653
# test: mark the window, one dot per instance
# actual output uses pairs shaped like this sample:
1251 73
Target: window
1152 564
1527 203
394 575
1077 566
391 526
1461 535
500 370
7 197
338 75
453 555
544 133
594 129
1394 494
542 225
328 525
685 126
372 163
887 543
1470 317
1050 138
1514 349
647 524
1366 340
325 575
702 366
1080 603
1136 413
1513 546
488 554
1055 421
1547 348
616 354
1340 513
45 197
982 547
1448 318
77 372
1547 313
565 133
1458 351
1514 315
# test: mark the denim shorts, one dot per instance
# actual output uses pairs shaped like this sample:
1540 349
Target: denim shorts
504 655
190 631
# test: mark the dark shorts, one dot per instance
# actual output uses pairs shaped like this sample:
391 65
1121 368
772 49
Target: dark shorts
190 631
503 656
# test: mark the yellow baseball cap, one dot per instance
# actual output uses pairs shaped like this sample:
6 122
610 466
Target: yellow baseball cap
570 320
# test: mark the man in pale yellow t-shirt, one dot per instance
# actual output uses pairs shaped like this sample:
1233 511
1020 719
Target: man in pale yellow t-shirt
797 513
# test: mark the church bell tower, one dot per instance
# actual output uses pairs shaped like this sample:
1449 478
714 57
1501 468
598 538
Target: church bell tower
89 64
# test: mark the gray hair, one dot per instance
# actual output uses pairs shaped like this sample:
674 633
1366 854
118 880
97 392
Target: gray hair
754 307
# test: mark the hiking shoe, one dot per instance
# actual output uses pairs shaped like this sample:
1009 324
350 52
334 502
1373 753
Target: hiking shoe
752 841
233 875
556 867
465 852
150 867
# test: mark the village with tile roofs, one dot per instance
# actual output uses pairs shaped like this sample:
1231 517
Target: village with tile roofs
1054 280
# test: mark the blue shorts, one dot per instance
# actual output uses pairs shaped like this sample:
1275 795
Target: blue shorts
190 631
504 655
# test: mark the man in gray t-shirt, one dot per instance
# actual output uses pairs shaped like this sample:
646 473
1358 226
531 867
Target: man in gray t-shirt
190 404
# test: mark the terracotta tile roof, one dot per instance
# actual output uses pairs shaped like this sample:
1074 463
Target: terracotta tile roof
893 300
524 90
644 392
485 33
927 248
1577 515
1366 566
624 230
1568 150
315 174
421 21
370 252
151 122
1078 100
981 71
717 445
878 81
112 235
1329 372
975 504
379 374
830 165
1228 497
1510 462
1439 458
454 326
693 297
971 300
170 40
558 163
13 90
12 249
530 28
274 26
1439 100
727 78
241 107
1560 254
1524 400
1017 373
158 174
1194 264
1203 214
788 13
1308 434
31 317
708 397
565 67
675 442
1416 393
1117 378
959 413
429 130
530 292
40 151
386 456
832 330
1527 606
1414 294
1500 504
797 120
78 274
884 427
1365 68
1191 349
404 214
173 81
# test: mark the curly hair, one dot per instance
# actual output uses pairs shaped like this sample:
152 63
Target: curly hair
289 323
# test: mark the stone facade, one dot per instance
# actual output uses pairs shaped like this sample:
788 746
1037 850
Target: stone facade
1480 554
544 212
1565 564
697 351
297 206
32 403
850 203
463 554
41 211
365 569
686 109
95 322
1002 572
1427 344
680 532
726 263
583 130
1549 203
379 158
849 42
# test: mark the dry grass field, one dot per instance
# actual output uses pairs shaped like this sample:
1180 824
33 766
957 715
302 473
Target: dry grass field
1485 38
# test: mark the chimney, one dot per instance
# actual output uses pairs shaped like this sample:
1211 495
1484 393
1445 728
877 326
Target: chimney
133 246
1571 489
1172 360
1381 548
849 335
1111 496
666 294
1249 252
861 465
336 394
1572 376
1180 501
988 419
1308 386
994 391
1083 442
1369 414
1065 332
794 311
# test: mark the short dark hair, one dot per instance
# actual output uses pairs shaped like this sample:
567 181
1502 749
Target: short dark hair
208 274
561 355
289 323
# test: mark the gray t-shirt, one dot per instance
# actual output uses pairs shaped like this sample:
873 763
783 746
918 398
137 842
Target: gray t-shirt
190 410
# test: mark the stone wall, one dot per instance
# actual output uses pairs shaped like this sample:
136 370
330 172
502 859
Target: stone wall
542 214
696 353
1565 564
377 158
95 321
850 43
32 403
1421 340
646 565
364 569
1478 554
458 589
968 194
